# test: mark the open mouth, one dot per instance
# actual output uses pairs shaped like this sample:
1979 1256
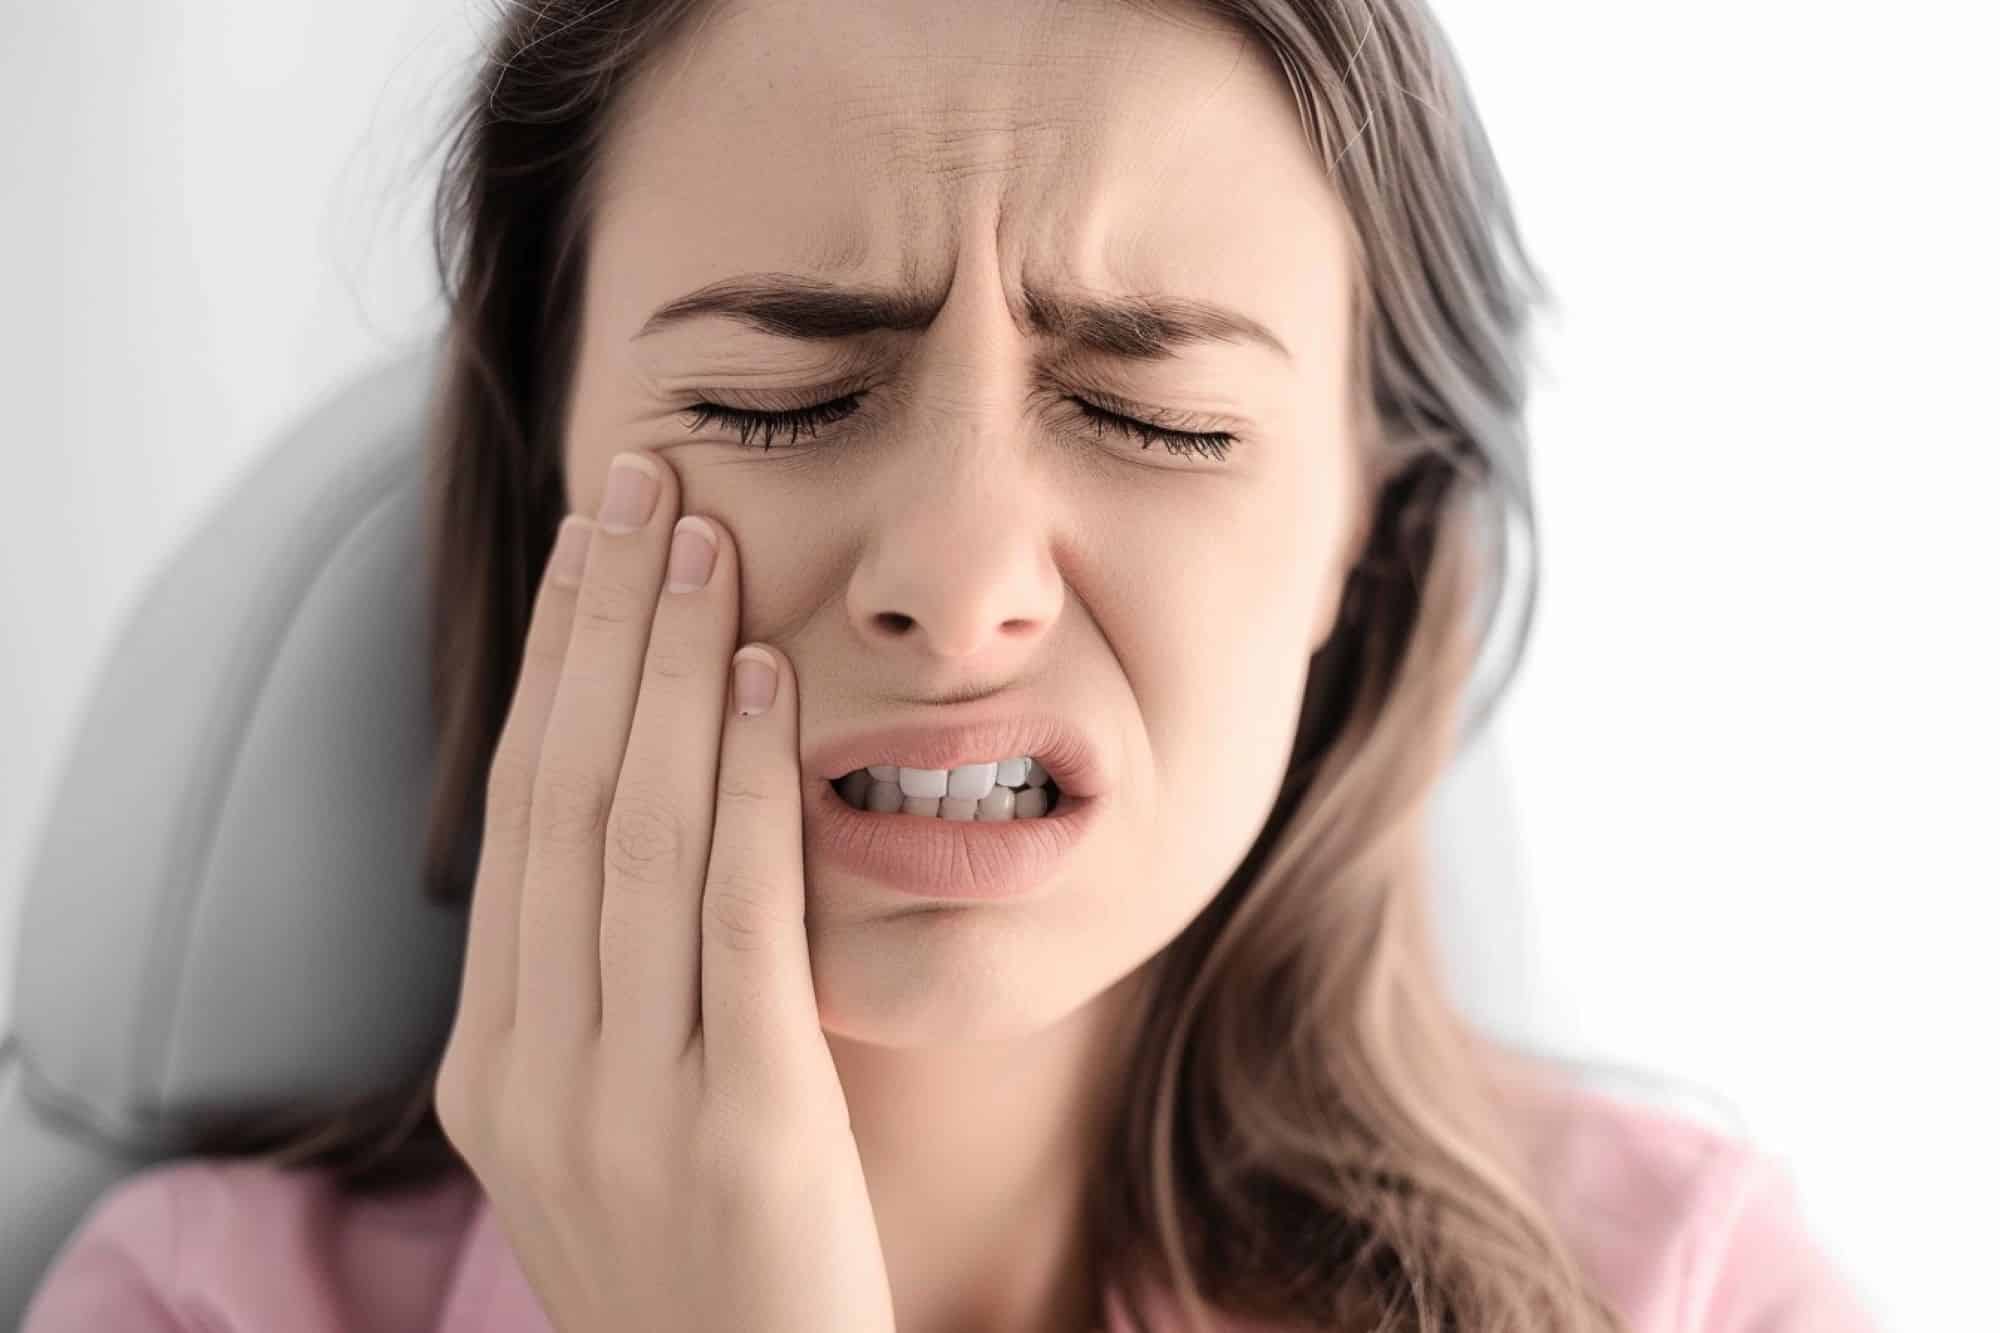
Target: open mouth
1012 789
971 847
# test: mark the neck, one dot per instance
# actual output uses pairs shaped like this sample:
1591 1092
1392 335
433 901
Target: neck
978 1158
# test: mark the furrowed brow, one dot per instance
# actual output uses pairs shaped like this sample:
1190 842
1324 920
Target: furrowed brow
796 306
1144 326
1139 326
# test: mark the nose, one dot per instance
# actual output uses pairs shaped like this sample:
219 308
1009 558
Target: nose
957 567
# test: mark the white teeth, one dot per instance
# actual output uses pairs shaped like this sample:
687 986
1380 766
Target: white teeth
970 791
971 782
967 782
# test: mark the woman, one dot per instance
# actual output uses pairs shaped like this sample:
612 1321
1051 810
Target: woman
1089 413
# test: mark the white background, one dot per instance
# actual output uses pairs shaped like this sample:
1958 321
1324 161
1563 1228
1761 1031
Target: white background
1755 741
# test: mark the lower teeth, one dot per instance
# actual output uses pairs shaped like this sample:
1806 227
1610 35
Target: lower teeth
859 791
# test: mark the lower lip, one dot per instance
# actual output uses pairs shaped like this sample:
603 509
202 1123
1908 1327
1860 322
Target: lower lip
952 859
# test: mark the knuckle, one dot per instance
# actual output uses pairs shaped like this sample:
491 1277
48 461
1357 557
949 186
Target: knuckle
748 789
646 837
676 660
607 602
737 913
458 1095
544 654
569 805
510 790
452 1106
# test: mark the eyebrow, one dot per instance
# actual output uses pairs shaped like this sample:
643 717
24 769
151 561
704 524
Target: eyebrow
1137 326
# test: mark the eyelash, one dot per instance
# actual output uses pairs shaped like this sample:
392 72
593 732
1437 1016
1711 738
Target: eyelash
1208 444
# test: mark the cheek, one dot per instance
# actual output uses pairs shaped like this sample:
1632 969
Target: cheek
586 470
1225 738
1227 655
1237 601
1213 795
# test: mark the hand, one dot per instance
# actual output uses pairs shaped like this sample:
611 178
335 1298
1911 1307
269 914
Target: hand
636 1071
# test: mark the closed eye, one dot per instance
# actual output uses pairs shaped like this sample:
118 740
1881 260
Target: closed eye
1208 444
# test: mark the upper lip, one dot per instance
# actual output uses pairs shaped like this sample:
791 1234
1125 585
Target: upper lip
1069 755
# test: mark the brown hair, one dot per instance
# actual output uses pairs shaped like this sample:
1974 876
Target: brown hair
1322 1141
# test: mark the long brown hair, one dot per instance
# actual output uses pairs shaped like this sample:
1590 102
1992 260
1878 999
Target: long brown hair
1314 1136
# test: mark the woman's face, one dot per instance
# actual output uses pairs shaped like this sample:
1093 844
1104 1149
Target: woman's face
969 528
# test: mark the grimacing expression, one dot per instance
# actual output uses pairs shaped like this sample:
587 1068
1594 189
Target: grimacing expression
990 163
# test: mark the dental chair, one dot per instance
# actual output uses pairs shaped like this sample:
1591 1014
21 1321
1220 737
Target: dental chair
222 911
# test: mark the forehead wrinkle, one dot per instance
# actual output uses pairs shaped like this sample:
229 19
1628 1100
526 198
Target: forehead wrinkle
839 249
915 162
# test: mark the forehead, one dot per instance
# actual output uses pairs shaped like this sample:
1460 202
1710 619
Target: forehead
1093 142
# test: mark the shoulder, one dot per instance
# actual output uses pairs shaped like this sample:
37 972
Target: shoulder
118 1269
1685 1226
175 1236
190 1210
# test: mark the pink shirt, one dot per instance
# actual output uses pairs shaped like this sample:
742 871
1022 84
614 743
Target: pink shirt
1686 1231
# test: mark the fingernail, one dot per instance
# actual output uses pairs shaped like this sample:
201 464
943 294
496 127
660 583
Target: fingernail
629 494
572 545
756 681
691 559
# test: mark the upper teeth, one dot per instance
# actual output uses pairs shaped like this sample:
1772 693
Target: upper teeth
967 782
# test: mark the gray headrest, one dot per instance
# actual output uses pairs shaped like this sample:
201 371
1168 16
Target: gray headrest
225 907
